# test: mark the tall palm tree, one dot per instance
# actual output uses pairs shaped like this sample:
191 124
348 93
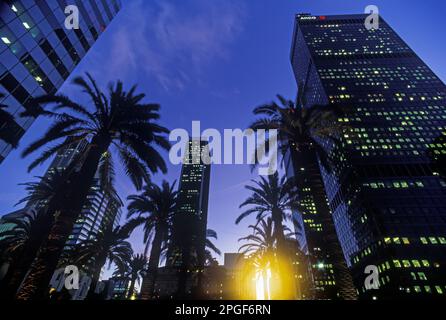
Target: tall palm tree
309 134
6 119
273 197
107 245
136 269
118 124
155 208
259 250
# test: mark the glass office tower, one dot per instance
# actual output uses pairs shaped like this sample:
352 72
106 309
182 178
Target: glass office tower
37 52
387 201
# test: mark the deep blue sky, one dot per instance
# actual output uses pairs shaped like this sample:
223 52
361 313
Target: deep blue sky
213 61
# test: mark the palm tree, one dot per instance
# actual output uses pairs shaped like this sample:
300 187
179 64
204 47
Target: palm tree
155 208
206 258
301 132
19 244
301 129
107 245
136 269
6 119
118 124
271 197
210 247
261 249
261 239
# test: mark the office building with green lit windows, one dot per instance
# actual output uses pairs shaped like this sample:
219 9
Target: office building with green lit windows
387 201
37 52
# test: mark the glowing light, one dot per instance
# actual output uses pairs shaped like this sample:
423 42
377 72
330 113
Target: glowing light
263 284
6 40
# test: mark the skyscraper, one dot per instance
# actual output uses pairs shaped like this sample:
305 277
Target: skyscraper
387 202
190 221
186 251
37 52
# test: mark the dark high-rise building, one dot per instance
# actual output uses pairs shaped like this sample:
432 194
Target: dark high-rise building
190 221
387 202
37 52
186 252
329 276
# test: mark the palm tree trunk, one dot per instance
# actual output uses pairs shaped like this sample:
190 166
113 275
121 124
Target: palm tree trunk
20 266
277 218
35 285
284 260
99 263
7 291
149 281
132 288
14 278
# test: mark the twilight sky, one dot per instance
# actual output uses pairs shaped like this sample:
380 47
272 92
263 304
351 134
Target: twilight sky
214 61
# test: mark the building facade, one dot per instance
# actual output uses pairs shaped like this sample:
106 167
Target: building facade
387 202
37 52
190 221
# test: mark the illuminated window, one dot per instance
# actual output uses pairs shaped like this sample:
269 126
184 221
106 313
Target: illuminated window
6 40
422 276
416 263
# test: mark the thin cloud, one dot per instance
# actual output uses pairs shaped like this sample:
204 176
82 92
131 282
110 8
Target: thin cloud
174 42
